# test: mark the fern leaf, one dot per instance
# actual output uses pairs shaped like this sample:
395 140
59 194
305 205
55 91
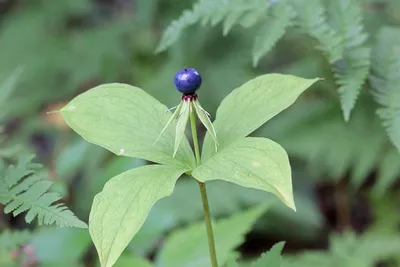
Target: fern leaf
388 172
22 190
10 240
271 258
311 18
257 11
231 20
273 28
385 80
351 71
9 85
213 12
348 249
315 132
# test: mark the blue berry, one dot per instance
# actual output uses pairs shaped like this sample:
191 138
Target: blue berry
187 80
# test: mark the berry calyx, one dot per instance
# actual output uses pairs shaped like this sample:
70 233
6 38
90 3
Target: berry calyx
187 81
189 97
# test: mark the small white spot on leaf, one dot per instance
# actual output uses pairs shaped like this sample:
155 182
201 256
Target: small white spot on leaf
71 107
256 164
121 151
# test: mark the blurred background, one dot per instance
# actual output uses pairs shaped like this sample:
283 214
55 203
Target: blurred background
345 174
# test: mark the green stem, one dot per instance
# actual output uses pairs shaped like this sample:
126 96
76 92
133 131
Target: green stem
203 192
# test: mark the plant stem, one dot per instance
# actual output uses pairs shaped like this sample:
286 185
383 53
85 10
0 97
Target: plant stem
203 193
342 206
207 218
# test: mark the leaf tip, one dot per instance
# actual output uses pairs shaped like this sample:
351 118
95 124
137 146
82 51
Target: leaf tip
53 112
67 108
290 203
160 48
346 115
256 59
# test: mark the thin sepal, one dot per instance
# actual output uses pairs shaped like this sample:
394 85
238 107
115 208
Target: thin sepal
175 115
204 117
181 124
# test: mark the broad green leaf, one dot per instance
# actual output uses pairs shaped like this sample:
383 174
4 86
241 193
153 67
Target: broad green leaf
181 125
127 260
60 245
251 105
121 208
127 121
189 246
231 263
203 116
258 163
271 258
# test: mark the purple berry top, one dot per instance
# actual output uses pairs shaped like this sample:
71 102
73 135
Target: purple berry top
187 80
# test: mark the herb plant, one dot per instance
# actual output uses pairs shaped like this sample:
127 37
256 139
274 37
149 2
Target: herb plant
129 122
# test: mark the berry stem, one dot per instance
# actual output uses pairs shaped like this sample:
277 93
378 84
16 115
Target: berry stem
203 192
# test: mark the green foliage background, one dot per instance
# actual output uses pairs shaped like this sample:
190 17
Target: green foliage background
342 136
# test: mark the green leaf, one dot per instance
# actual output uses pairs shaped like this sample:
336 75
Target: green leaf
272 258
60 245
231 263
251 105
127 121
121 208
181 125
258 163
189 246
127 260
204 118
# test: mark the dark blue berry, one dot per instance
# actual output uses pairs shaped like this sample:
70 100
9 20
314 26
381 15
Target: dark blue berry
187 80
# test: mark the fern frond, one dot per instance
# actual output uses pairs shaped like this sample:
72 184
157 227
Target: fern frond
271 258
348 249
273 29
351 71
22 190
315 133
228 12
385 81
311 18
10 240
388 172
